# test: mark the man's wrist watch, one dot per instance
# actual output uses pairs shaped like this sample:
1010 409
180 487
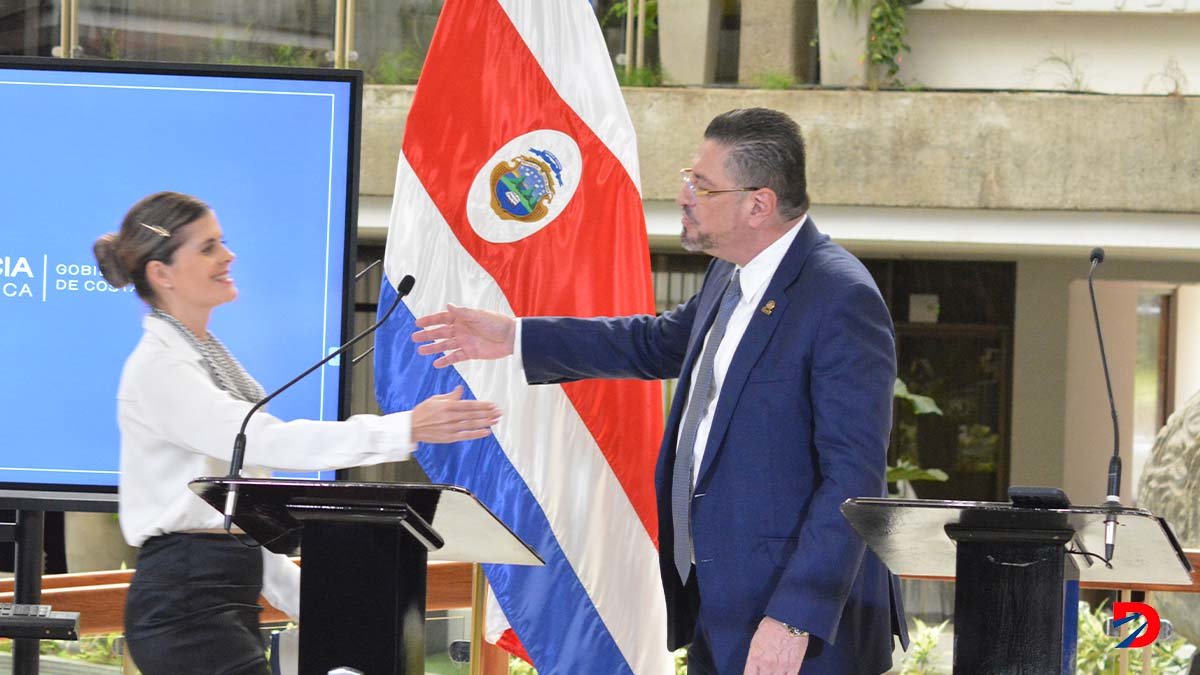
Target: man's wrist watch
793 631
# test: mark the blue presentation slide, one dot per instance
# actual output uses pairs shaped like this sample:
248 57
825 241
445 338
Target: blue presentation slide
268 155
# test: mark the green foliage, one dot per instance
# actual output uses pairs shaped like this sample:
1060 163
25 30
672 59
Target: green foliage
289 55
887 29
518 667
977 446
1063 68
237 52
618 10
1171 80
99 649
923 642
403 67
921 405
907 470
639 77
1096 653
112 46
774 80
680 661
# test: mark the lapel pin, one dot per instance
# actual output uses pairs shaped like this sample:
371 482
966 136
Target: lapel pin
769 307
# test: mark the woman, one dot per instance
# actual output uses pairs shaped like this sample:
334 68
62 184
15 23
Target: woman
192 604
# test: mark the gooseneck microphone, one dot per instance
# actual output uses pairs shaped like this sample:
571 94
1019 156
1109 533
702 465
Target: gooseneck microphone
239 443
1113 501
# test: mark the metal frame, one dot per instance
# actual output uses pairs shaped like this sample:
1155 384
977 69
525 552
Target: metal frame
354 136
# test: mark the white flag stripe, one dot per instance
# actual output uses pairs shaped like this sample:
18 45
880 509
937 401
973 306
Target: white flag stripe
543 436
579 69
495 622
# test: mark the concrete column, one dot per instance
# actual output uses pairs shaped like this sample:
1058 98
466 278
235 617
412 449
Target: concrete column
94 543
775 39
1186 315
842 38
688 31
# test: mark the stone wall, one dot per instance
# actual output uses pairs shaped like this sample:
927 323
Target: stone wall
916 149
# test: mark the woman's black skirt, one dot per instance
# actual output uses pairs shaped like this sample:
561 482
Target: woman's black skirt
193 607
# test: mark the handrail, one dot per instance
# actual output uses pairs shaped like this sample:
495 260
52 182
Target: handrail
99 597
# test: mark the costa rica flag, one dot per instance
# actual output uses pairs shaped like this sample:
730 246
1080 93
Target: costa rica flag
517 191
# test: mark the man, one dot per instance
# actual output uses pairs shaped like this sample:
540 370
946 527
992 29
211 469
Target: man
786 360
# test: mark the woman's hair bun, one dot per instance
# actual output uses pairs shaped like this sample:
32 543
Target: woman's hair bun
109 262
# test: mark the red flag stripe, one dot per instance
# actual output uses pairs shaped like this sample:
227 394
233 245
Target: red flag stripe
543 274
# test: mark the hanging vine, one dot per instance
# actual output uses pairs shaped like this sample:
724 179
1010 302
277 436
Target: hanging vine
887 31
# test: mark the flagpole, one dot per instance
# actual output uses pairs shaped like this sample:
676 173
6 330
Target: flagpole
339 35
641 38
628 38
478 618
348 41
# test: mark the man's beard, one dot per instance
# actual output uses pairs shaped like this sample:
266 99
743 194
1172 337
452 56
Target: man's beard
701 243
697 242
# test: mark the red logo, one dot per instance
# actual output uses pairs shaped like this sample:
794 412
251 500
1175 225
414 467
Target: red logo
1124 612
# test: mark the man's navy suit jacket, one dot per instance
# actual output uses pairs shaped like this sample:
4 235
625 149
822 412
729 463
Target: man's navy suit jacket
802 424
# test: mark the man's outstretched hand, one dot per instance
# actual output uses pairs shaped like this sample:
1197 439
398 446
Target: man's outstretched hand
460 334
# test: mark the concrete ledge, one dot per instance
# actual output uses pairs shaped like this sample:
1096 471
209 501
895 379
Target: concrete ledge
977 150
385 111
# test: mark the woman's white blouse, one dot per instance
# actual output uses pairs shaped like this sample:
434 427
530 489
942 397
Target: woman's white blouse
177 425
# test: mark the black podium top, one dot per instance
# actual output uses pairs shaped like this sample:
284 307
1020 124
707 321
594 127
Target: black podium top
909 536
272 510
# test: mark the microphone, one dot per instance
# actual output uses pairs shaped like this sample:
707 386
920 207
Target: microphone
239 443
1113 500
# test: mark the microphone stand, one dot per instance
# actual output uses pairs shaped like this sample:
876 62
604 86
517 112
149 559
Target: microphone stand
239 443
1113 500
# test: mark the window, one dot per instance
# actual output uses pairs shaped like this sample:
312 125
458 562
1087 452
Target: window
954 343
278 33
1151 377
29 27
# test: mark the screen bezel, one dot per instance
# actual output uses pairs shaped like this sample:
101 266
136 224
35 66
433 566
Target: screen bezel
354 135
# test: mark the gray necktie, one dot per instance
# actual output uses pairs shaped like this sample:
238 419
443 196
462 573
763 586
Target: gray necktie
702 393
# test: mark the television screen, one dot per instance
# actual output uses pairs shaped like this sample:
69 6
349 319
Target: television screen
274 152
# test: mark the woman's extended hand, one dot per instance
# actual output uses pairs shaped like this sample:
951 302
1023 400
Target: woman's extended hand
447 418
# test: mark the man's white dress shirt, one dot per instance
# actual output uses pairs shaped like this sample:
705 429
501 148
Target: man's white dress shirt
755 277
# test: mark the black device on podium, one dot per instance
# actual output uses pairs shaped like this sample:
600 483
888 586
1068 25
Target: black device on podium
366 546
30 622
1017 569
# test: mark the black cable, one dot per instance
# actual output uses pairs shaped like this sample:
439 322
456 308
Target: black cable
1089 554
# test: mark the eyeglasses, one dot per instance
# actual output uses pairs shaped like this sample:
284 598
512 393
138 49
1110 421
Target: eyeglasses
690 183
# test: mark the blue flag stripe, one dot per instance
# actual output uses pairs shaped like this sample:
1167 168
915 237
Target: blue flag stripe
549 608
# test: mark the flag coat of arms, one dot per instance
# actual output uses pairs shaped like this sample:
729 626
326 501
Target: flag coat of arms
517 191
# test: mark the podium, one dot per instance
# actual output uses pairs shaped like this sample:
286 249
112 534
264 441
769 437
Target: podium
366 547
1017 570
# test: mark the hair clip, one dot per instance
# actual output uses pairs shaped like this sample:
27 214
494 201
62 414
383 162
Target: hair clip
156 230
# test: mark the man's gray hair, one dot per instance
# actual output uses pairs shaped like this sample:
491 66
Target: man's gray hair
766 151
